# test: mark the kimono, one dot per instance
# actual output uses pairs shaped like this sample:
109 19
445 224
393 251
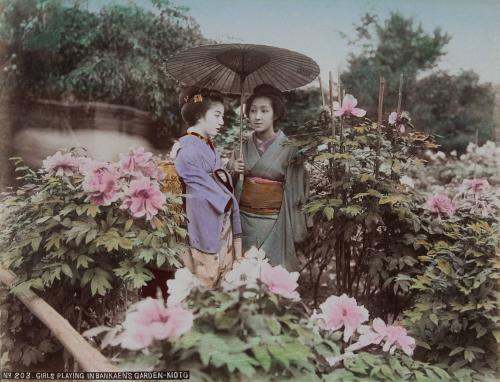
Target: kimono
213 217
271 199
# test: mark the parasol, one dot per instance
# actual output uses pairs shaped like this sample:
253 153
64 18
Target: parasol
239 68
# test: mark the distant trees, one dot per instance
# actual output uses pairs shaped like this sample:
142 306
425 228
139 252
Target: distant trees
60 50
456 108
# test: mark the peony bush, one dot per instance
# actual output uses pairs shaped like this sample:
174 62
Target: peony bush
83 233
255 327
455 312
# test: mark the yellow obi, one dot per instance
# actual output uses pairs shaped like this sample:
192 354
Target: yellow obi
261 196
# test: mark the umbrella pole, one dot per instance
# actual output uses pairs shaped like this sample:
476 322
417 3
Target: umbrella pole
242 80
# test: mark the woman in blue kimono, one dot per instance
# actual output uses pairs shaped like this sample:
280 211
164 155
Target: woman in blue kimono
274 188
212 210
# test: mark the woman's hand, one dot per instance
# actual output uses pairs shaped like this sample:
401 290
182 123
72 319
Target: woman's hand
239 166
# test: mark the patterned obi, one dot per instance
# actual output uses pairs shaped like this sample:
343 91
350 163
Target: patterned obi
261 196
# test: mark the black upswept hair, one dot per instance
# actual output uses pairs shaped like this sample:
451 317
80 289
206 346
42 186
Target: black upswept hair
277 101
194 107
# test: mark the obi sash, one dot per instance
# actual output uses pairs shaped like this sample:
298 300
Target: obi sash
261 196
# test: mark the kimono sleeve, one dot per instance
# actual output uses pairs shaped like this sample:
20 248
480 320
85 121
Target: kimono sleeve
297 181
199 183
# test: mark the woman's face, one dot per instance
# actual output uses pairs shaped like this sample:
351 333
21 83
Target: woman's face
213 120
261 115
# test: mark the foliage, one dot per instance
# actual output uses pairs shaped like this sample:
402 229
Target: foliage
456 309
456 108
362 210
118 55
79 256
248 332
441 170
455 314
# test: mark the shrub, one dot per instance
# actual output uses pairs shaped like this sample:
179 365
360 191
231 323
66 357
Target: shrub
81 233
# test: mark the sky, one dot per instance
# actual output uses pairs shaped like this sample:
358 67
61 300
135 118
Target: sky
312 27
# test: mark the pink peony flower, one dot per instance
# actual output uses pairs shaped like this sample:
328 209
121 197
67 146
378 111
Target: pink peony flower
101 182
280 281
348 107
344 312
153 320
143 198
134 160
60 164
441 205
395 336
476 185
138 162
396 121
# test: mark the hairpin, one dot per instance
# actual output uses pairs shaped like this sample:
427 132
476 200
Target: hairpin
196 98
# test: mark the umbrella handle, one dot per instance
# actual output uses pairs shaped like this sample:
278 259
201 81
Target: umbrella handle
242 110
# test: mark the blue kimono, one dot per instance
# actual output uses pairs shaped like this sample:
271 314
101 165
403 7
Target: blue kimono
200 168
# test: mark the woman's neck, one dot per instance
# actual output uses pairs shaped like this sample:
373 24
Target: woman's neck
265 135
198 130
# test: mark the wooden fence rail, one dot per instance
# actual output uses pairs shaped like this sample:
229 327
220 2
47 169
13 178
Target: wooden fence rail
89 358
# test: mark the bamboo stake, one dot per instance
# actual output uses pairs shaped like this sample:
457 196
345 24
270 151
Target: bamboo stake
379 120
88 357
330 93
400 94
321 91
341 130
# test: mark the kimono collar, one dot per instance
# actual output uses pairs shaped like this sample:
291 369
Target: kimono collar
263 145
208 141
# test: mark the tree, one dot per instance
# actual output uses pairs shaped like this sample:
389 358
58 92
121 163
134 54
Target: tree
118 55
455 108
399 46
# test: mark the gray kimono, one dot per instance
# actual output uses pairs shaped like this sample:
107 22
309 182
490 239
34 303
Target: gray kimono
275 234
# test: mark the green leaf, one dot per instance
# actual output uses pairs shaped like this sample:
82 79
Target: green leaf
42 219
469 355
91 235
434 318
353 210
128 224
80 210
125 243
54 240
274 326
496 334
83 261
67 270
456 351
35 243
93 210
280 355
323 157
262 355
328 212
100 284
444 266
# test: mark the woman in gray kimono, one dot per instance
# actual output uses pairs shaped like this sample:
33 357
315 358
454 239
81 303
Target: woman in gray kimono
274 187
211 208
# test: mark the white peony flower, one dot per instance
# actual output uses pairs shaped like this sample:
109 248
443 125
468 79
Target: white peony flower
407 181
246 271
180 287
